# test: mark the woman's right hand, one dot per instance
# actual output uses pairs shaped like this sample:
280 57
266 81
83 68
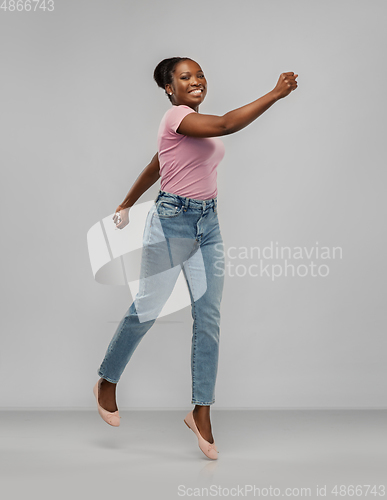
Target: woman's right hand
121 217
286 83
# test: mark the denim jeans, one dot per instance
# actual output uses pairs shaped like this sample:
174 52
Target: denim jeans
180 234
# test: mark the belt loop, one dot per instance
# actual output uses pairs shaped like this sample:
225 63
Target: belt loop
186 204
158 196
215 205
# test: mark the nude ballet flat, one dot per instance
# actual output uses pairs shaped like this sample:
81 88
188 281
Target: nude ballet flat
209 449
111 417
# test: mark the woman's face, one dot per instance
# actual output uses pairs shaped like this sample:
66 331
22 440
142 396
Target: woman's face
187 78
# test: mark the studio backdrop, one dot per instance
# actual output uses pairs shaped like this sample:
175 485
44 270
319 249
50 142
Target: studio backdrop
301 200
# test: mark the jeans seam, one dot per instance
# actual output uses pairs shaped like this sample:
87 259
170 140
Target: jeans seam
168 216
147 245
194 333
193 401
107 378
117 335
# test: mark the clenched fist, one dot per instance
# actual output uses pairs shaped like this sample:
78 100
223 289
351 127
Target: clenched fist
286 83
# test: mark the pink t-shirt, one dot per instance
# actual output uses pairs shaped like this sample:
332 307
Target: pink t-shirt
187 164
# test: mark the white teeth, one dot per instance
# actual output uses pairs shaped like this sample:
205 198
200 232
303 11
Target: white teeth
196 91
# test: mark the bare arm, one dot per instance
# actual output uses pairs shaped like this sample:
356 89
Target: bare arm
144 181
199 125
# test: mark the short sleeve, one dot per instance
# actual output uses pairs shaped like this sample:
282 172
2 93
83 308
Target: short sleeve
176 115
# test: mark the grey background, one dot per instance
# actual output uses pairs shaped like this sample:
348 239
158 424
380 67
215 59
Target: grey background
79 119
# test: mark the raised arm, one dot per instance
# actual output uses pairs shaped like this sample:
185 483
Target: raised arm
200 125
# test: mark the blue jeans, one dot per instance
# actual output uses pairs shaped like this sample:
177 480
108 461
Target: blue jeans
180 234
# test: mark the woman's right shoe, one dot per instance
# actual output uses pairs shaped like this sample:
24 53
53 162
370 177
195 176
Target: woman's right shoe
110 417
209 449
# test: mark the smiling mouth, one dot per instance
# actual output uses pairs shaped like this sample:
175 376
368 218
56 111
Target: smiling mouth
196 91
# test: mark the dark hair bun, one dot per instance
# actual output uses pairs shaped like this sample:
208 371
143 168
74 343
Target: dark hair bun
163 73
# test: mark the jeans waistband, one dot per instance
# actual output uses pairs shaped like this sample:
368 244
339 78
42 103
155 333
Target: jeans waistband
189 202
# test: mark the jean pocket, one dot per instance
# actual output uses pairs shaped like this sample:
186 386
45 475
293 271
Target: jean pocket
167 209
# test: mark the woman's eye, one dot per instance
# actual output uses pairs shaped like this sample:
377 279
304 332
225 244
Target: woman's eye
185 77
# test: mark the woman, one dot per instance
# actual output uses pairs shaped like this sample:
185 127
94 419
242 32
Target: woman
182 232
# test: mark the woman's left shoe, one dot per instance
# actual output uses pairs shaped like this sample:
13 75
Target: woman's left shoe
110 417
209 449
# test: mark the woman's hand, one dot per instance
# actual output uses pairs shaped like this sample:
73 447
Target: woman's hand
121 217
286 83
